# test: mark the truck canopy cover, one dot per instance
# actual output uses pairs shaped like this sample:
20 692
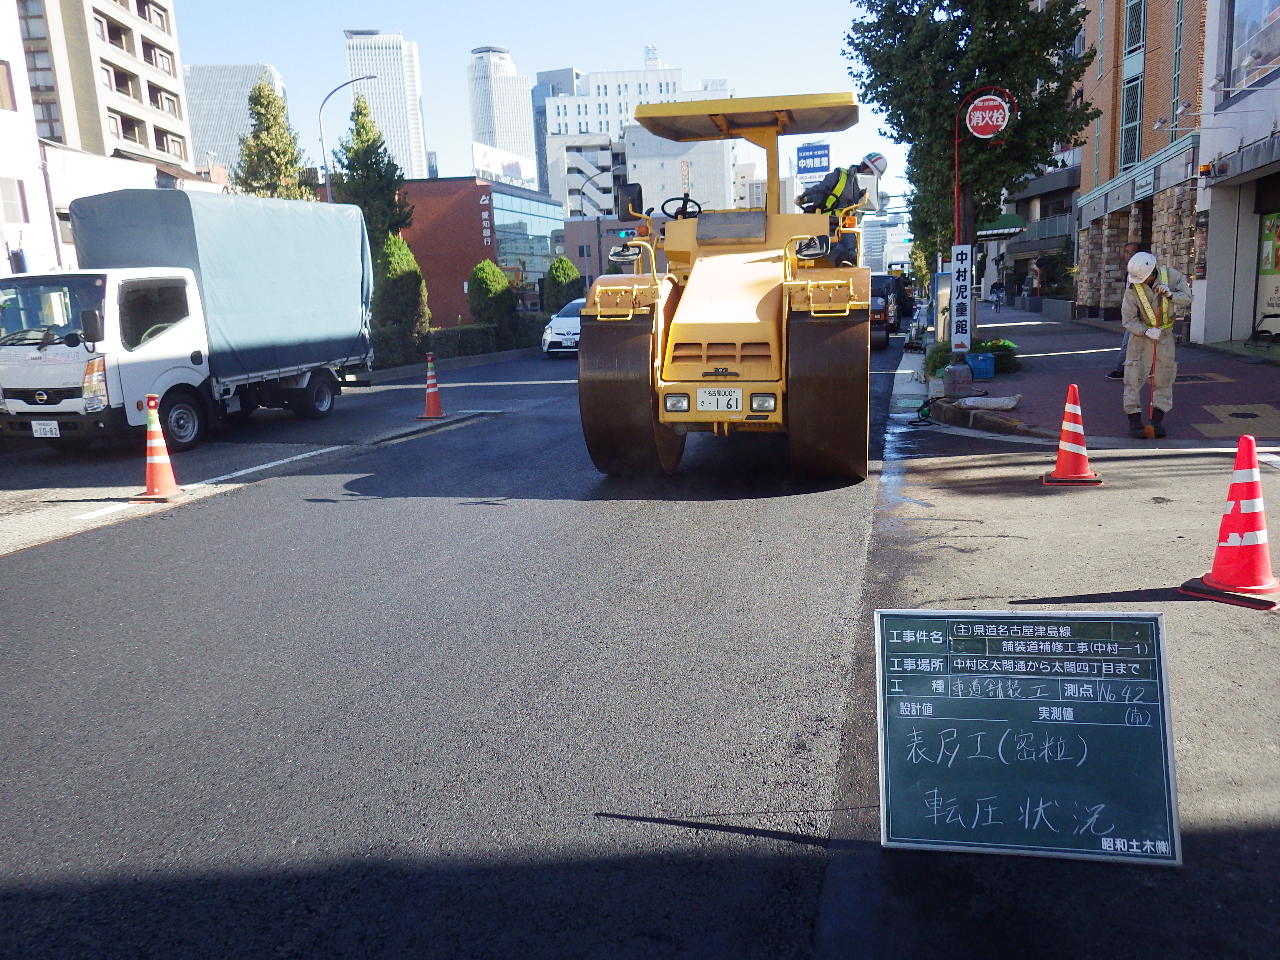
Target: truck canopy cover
725 119
285 283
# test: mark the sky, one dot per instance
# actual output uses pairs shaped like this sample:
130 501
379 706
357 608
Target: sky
746 42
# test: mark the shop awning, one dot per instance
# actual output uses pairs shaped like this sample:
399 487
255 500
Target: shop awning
1002 227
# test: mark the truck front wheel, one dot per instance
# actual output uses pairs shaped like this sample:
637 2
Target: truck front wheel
315 400
182 418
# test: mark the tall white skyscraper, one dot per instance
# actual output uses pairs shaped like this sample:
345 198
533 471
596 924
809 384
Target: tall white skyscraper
501 102
395 96
218 107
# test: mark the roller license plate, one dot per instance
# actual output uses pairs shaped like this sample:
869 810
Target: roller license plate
719 398
45 428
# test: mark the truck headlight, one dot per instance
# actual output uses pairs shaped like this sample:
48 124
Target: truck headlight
676 402
94 387
763 403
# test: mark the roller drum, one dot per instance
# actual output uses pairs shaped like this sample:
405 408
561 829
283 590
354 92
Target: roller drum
828 400
617 399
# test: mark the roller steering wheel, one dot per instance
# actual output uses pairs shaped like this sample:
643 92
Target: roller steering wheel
688 209
153 331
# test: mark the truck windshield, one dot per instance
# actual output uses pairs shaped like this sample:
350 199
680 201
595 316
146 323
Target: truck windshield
40 309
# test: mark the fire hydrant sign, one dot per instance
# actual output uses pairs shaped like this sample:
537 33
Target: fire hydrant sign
961 298
1044 734
987 116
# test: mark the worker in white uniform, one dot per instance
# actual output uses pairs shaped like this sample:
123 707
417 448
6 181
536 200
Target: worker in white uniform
1147 313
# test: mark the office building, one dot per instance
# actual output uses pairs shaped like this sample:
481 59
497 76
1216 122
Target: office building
550 83
218 107
394 94
501 103
105 77
1139 159
26 220
460 221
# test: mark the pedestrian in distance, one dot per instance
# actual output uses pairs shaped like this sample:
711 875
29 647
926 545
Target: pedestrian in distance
837 191
1147 314
997 295
1117 373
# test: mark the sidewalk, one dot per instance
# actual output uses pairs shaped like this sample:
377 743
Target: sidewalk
1218 396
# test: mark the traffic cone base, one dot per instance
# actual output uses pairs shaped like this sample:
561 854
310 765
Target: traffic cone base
1241 562
431 408
1072 468
1201 590
161 486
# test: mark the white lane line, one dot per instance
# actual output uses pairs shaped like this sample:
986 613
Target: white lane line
508 383
263 466
94 514
1270 459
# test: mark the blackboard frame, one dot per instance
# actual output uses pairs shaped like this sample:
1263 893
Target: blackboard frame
945 617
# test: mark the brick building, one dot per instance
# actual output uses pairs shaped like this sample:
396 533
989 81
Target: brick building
1138 165
460 221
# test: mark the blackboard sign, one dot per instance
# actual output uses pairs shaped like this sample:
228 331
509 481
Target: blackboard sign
1027 733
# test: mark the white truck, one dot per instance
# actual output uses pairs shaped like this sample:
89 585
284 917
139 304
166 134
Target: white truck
217 304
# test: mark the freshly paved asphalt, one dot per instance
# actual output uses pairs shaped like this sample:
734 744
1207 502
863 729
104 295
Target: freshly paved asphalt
452 696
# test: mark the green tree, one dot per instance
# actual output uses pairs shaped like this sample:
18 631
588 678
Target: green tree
562 284
366 174
270 163
918 59
492 300
401 317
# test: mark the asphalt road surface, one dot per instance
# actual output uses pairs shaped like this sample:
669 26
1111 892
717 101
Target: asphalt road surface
453 695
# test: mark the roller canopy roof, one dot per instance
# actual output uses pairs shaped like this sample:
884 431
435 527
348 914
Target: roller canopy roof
721 119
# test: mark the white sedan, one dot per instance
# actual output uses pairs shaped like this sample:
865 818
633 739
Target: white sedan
561 334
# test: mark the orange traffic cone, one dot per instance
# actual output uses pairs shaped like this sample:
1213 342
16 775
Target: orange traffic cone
1073 457
161 487
1242 562
431 409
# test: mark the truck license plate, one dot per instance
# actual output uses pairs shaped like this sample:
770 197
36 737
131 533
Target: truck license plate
719 398
45 428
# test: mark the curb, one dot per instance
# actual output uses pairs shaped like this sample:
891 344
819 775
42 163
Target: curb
993 421
411 370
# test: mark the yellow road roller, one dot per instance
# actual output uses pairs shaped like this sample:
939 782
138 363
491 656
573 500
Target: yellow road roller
750 326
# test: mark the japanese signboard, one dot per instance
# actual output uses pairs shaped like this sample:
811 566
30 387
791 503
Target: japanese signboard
1042 734
961 298
987 116
813 162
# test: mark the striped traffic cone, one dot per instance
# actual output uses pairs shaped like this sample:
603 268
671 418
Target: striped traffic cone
1072 469
161 487
431 409
1242 562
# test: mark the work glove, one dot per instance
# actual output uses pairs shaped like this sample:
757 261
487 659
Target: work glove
800 200
1163 291
1153 333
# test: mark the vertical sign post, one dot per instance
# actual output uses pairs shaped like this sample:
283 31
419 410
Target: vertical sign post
961 298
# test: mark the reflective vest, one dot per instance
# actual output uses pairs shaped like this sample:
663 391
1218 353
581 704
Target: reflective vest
833 198
1144 303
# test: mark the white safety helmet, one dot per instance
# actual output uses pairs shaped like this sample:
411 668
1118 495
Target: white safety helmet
1140 267
876 162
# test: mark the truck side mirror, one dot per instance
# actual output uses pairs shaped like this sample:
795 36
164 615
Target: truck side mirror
91 325
630 204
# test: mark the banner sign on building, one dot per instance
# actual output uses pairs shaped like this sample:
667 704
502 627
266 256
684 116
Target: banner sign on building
813 162
1043 734
494 164
961 298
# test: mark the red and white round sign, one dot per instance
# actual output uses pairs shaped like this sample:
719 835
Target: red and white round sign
987 116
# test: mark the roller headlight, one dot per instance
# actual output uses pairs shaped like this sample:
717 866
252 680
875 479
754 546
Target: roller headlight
676 402
763 403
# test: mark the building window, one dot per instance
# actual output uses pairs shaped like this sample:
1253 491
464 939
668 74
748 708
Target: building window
158 57
1135 16
8 100
161 99
1097 150
1102 34
125 127
100 28
170 143
1130 123
13 201
31 21
154 14
39 70
1176 86
114 33
48 121
123 83
1254 41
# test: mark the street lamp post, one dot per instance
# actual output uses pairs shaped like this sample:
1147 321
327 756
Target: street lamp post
599 173
324 153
